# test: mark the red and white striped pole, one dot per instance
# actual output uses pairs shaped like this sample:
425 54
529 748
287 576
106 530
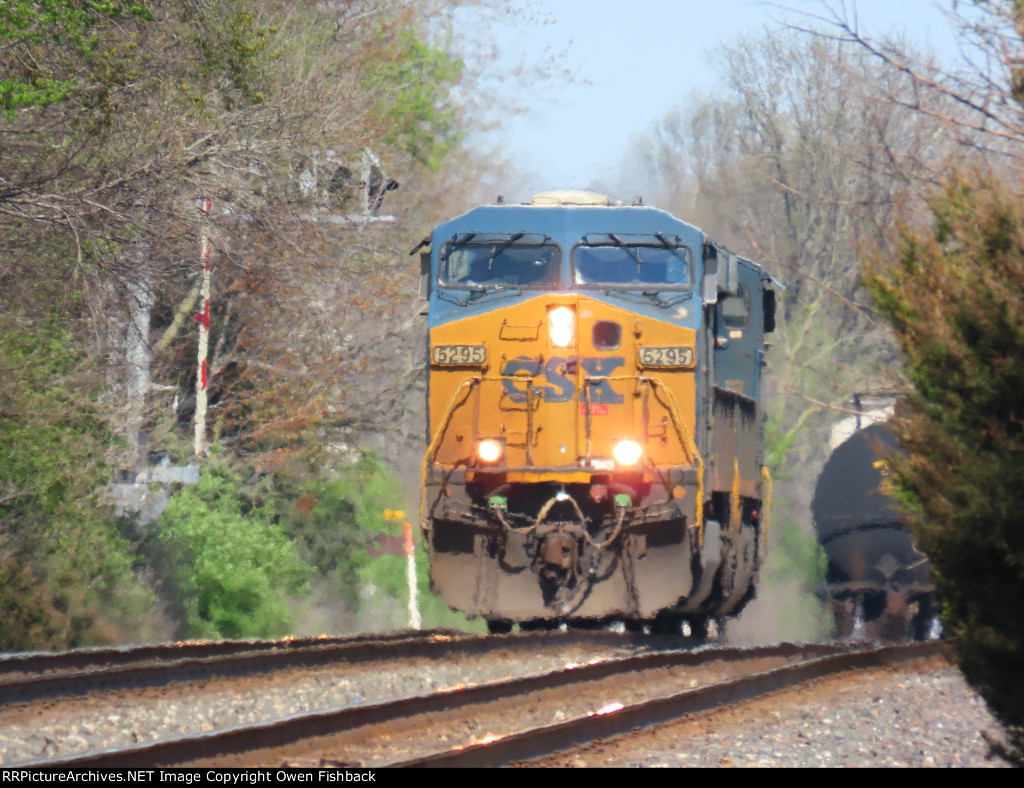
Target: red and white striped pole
203 318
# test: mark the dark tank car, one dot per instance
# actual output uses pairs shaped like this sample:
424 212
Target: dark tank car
877 581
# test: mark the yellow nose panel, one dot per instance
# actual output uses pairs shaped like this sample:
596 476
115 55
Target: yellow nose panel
560 401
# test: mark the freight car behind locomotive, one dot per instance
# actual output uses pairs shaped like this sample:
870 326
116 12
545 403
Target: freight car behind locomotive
877 582
595 426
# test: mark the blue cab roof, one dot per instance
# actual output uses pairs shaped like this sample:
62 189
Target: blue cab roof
568 223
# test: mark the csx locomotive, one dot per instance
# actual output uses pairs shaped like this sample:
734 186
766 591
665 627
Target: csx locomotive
595 426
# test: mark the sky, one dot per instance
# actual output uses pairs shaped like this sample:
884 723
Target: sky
634 59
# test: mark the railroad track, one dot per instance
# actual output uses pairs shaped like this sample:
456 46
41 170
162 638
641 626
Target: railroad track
58 705
610 722
36 676
33 663
503 721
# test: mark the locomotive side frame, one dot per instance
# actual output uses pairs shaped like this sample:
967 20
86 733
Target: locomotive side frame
678 538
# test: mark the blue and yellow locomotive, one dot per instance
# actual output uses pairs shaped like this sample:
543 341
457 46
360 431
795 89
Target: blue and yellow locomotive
595 428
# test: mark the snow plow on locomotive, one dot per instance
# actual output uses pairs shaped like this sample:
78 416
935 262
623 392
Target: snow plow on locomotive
595 427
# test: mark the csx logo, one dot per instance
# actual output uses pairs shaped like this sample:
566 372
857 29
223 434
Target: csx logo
559 373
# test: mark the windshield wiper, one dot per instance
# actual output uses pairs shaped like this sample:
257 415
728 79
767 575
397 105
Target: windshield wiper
649 296
630 250
632 295
675 298
499 248
665 241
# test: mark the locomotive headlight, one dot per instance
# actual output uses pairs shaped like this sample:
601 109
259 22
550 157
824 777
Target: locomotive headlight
488 450
562 326
627 453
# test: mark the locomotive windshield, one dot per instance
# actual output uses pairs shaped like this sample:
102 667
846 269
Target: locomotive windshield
488 261
631 262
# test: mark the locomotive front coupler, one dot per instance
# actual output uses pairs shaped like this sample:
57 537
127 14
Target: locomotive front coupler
558 546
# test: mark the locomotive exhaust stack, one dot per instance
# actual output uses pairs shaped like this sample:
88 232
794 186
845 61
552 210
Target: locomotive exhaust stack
594 393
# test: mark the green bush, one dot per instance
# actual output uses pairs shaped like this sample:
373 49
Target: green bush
335 514
232 569
66 577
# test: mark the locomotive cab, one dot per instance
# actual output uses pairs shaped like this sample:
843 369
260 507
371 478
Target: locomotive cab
595 430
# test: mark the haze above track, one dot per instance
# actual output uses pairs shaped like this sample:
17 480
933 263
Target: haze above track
634 60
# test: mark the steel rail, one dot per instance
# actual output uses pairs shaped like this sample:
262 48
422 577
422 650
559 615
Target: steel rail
154 666
265 741
234 658
551 739
41 662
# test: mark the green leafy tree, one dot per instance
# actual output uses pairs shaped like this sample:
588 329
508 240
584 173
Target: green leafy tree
66 576
414 80
335 515
55 38
154 106
232 570
956 301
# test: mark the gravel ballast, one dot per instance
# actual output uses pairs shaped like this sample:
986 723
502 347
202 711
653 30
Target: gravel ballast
907 716
917 715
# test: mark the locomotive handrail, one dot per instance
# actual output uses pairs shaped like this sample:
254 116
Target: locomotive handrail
689 444
428 457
